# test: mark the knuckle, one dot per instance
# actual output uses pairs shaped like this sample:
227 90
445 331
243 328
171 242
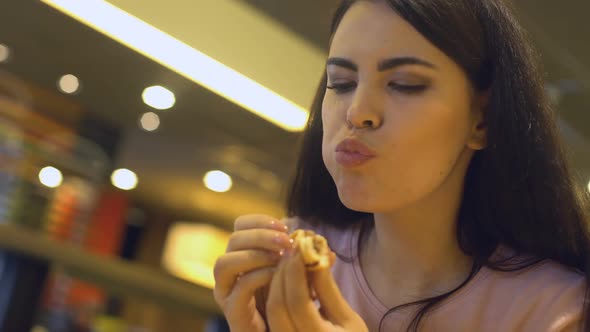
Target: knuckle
232 242
245 280
250 220
260 256
218 268
218 298
239 221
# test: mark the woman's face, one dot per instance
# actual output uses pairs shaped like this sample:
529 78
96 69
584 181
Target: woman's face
393 91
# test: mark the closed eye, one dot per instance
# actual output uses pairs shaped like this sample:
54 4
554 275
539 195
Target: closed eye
403 88
408 88
342 87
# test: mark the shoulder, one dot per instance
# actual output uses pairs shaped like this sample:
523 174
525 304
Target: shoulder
548 274
547 296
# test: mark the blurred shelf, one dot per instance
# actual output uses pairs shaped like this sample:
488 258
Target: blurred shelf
114 275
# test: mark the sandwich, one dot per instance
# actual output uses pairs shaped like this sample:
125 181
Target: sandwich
313 247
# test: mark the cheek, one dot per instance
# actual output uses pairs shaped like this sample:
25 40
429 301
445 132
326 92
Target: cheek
333 113
328 154
425 148
331 122
420 145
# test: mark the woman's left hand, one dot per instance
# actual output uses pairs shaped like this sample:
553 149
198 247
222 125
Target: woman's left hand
290 307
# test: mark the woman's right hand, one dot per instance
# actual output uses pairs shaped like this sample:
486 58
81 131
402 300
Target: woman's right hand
252 254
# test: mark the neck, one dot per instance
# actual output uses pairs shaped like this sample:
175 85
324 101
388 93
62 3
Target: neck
415 249
425 261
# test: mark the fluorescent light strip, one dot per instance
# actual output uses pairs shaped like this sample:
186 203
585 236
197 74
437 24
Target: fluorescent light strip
181 58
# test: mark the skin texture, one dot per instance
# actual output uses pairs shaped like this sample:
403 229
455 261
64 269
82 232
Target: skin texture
423 137
423 142
252 261
420 138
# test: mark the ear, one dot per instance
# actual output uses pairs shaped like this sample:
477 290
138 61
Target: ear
479 132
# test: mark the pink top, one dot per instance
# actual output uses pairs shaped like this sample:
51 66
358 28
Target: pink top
544 297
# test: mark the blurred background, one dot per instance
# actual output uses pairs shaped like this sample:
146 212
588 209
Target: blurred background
133 133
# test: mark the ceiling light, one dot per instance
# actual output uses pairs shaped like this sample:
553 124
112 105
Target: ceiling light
181 58
124 179
217 181
158 97
150 121
68 84
50 177
4 53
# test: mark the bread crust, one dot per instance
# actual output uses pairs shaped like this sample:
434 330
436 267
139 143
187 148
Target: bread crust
313 247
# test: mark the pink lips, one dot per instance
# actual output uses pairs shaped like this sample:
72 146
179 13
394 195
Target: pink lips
352 152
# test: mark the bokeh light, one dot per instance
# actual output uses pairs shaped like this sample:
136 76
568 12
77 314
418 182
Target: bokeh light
68 84
124 179
158 97
218 181
50 177
150 121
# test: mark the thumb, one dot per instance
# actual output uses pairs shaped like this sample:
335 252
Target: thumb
333 305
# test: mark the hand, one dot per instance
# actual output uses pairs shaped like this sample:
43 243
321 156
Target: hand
249 263
290 307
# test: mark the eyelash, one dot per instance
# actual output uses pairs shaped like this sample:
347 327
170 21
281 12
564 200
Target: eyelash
342 88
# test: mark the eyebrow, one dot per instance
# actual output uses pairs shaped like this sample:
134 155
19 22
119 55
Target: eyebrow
383 65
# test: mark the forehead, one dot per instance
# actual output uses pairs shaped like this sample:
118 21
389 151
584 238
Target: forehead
371 29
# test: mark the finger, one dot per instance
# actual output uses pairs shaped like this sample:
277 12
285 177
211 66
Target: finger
258 239
276 310
292 223
313 293
261 295
244 290
333 305
298 298
252 221
231 265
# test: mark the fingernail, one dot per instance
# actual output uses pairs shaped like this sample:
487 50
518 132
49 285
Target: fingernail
282 240
275 224
290 252
275 256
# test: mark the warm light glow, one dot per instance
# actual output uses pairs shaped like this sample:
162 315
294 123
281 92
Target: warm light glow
217 181
191 250
181 58
4 53
150 121
50 177
68 84
158 97
588 186
124 179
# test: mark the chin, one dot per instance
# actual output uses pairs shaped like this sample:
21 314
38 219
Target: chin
357 201
370 201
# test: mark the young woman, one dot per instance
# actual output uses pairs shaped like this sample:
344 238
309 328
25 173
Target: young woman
432 165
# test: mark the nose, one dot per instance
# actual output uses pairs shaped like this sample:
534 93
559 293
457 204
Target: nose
364 111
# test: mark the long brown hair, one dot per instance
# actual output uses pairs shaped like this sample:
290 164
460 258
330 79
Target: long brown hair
520 190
